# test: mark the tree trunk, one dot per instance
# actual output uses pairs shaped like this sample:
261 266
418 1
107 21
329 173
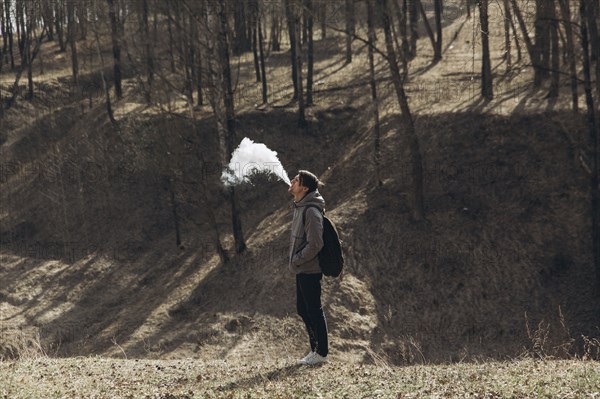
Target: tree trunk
190 57
242 40
20 29
350 29
592 20
171 39
402 7
147 50
541 60
58 23
487 89
438 24
436 56
263 69
323 20
566 17
301 104
71 30
523 27
199 59
275 45
82 19
592 140
209 209
105 86
291 22
310 60
47 18
20 24
3 52
28 56
507 18
407 121
374 100
227 92
304 26
515 34
15 88
116 47
413 15
254 29
555 54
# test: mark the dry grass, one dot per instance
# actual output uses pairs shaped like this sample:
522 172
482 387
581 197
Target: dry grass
269 377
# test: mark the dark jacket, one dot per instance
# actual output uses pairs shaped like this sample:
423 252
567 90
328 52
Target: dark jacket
306 238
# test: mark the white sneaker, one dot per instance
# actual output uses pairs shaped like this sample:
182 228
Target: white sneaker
316 359
306 359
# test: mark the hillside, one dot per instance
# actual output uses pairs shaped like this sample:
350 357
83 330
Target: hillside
501 268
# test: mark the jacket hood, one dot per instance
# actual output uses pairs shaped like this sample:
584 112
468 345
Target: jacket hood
312 198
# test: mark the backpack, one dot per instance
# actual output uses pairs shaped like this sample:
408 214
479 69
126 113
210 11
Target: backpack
331 259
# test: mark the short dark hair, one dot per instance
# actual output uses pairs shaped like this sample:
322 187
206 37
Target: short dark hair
309 180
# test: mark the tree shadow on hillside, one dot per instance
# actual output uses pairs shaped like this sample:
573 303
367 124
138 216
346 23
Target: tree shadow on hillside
457 288
99 299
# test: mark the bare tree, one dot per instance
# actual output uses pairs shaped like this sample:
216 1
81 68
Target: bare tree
82 21
323 18
148 53
105 86
290 12
3 51
413 20
436 55
402 11
254 29
554 53
350 28
116 47
31 55
310 58
566 17
171 36
59 23
542 46
275 18
226 126
71 34
263 68
507 19
487 87
523 27
438 25
592 28
299 83
242 40
407 122
374 99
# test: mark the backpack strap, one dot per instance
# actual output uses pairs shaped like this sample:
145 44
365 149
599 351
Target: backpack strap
305 209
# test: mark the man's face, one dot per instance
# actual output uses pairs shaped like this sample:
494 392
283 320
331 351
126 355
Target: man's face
296 188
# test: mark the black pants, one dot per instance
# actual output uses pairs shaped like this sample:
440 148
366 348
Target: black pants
308 303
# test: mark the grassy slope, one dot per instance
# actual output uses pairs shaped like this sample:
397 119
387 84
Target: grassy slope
508 240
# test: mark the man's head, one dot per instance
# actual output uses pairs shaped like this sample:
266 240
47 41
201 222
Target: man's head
305 182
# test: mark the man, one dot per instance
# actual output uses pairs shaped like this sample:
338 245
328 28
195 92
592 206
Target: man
305 243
